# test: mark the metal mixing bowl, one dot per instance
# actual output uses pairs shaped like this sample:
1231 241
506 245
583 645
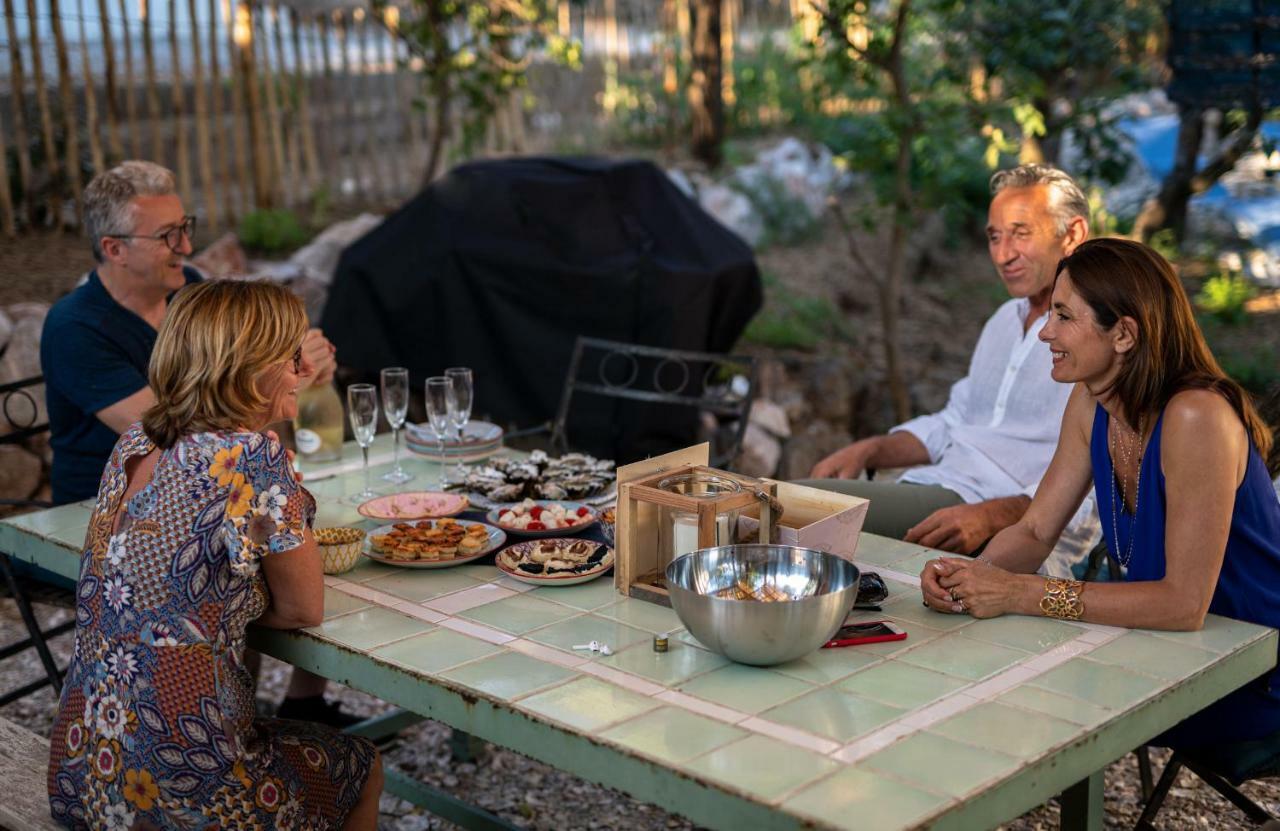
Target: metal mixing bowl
818 589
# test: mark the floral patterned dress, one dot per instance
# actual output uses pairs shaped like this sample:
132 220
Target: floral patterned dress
156 727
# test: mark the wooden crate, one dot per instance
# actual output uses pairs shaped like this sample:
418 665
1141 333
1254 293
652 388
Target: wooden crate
813 518
638 568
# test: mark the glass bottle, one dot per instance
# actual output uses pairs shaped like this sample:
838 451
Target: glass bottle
317 431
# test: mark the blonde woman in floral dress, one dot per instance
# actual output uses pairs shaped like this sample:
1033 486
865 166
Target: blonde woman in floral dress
200 528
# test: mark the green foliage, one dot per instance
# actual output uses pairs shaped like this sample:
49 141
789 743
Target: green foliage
1165 242
271 231
1224 296
1255 369
790 321
473 55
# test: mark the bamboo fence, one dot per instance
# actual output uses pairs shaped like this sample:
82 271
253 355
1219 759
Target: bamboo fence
256 103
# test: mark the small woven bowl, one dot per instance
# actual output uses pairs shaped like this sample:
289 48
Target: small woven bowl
340 548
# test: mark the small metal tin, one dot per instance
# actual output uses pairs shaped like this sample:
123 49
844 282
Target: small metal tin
660 643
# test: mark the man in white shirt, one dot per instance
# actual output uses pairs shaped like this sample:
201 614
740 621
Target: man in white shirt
973 467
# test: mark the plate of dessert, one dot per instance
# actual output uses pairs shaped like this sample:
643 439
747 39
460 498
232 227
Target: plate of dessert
532 518
429 543
555 562
575 476
414 505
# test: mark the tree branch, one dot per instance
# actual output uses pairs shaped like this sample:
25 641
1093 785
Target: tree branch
851 240
1231 149
838 28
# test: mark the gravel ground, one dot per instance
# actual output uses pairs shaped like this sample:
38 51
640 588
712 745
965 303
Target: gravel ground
537 796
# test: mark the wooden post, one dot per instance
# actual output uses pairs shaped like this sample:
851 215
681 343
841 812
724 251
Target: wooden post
110 91
222 169
71 126
264 195
288 111
204 150
348 96
372 111
6 198
728 31
46 116
262 55
130 96
178 100
18 89
232 20
152 94
332 174
303 88
90 98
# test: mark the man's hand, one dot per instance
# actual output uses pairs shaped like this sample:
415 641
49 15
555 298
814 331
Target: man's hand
961 529
846 463
317 353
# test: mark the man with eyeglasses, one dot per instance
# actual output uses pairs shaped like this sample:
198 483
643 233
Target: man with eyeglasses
97 343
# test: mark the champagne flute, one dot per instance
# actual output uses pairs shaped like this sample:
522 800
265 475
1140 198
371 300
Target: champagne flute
362 409
461 414
440 405
395 403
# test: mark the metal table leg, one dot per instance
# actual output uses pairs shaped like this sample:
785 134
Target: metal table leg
1082 805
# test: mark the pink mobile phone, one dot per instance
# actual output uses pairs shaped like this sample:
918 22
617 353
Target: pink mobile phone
875 631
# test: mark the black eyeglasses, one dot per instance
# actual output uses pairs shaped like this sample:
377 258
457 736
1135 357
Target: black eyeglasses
172 237
297 361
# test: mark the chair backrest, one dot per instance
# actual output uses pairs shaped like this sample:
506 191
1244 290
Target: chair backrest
19 410
653 375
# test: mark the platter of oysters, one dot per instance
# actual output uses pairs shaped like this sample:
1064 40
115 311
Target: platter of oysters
556 562
571 476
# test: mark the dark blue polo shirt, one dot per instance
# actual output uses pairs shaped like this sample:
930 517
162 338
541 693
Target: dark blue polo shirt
94 352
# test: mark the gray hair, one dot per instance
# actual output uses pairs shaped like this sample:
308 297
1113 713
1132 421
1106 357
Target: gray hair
1066 200
108 200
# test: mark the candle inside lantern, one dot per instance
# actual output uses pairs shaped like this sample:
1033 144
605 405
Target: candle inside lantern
684 532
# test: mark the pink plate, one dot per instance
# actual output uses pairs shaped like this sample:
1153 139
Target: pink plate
414 505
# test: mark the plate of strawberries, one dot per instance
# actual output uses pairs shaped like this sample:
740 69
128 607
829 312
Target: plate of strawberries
542 518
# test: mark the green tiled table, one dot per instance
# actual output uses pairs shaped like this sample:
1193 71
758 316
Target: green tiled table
963 725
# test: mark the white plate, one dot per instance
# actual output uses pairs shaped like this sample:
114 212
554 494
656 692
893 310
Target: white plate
608 497
569 579
497 538
474 433
570 507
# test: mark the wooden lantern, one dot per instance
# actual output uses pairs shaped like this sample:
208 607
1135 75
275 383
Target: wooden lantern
640 564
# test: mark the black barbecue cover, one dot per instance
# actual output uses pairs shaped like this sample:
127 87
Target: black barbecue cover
501 264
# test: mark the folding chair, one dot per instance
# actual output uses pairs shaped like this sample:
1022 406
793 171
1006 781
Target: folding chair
1223 768
649 374
21 413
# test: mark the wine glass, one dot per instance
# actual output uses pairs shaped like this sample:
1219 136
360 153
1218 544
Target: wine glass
362 409
395 403
440 406
461 414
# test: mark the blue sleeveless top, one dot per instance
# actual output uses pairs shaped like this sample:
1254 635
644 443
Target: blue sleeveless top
1248 586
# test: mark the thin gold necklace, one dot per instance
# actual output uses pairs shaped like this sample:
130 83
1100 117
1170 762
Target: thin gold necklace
1126 453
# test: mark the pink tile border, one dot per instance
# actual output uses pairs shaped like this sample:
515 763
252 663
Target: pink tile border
418 611
477 630
703 708
790 735
461 601
548 653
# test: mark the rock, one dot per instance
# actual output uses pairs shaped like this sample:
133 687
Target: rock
772 378
806 173
6 329
831 390
413 822
771 417
223 258
804 450
732 210
319 258
22 311
761 452
20 472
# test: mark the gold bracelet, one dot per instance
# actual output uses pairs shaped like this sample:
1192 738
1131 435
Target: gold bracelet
1062 598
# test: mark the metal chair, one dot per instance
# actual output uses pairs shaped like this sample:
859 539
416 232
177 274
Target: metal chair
649 374
1223 768
21 413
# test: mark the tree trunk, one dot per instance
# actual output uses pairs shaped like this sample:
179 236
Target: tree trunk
70 121
706 104
903 209
1168 208
152 94
440 90
130 96
178 100
204 143
46 117
18 89
115 148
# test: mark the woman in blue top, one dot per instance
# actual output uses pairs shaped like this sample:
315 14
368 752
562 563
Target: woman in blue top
1174 451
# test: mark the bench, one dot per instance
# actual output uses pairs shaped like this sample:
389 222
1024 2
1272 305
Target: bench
24 765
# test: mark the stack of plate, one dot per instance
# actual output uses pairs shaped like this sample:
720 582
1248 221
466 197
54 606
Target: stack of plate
479 439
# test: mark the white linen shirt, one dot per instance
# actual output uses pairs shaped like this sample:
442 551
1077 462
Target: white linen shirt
1000 427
